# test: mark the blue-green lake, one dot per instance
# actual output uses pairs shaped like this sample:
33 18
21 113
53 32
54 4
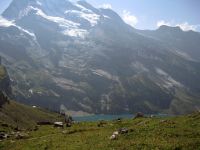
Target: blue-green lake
102 117
109 117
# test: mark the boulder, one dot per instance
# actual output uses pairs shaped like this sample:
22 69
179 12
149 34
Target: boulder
123 131
139 115
21 135
4 136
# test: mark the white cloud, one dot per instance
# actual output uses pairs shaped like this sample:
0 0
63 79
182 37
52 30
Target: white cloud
106 6
162 22
185 26
129 18
5 23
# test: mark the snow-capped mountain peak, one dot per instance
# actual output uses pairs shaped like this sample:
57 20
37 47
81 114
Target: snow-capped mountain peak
73 18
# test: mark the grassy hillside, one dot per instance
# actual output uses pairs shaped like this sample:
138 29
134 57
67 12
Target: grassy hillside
14 114
144 133
18 116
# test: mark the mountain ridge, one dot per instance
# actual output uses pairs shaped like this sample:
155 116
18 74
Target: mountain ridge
88 59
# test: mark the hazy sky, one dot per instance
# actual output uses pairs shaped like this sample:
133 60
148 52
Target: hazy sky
149 14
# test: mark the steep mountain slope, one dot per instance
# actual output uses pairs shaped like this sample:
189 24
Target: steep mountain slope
88 59
13 114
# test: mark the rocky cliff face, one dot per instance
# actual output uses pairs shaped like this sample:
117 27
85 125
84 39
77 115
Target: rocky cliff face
70 53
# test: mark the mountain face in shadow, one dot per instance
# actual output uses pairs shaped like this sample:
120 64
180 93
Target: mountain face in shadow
70 53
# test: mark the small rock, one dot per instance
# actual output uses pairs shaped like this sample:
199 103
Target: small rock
142 123
64 132
101 123
139 115
123 131
12 133
12 141
22 136
162 121
4 136
167 122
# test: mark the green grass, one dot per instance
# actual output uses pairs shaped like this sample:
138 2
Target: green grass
22 116
146 133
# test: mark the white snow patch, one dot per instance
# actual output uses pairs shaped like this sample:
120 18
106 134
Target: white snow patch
26 31
61 21
91 17
70 28
106 17
24 12
75 32
83 8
